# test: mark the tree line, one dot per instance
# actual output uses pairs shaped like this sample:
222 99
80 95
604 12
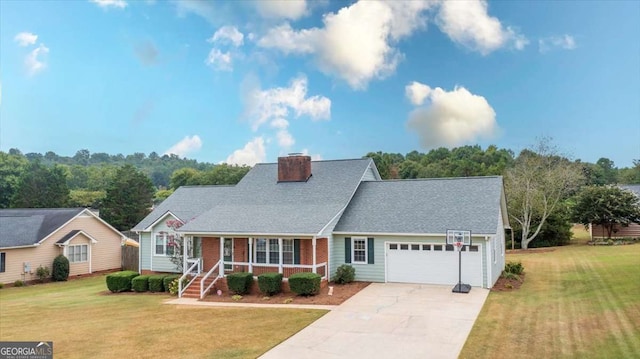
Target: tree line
546 191
124 189
543 186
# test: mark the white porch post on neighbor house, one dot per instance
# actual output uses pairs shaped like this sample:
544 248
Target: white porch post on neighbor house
221 257
250 255
280 255
313 244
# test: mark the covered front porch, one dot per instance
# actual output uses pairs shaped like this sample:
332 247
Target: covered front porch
206 259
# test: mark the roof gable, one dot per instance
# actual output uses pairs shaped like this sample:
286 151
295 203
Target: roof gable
73 234
259 204
29 226
425 206
185 203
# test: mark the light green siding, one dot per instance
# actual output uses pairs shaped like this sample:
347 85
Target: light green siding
148 259
376 272
145 251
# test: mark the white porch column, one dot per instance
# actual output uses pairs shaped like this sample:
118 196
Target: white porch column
313 244
280 255
185 265
221 269
250 255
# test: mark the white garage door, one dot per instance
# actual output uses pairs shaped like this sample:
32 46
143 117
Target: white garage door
432 264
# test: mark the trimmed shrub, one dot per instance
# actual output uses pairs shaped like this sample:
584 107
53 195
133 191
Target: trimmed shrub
60 271
1 285
167 280
514 267
240 283
42 273
120 281
140 283
305 283
156 283
18 283
270 283
345 274
509 275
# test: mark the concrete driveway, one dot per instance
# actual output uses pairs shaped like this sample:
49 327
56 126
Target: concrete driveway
390 321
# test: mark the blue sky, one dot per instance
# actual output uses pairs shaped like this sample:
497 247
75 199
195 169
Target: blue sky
244 82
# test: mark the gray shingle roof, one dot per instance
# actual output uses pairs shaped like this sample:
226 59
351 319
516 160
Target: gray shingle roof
68 236
23 227
186 203
424 206
259 204
635 188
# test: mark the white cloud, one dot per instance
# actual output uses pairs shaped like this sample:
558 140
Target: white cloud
120 4
315 157
185 146
285 139
279 102
219 60
565 42
417 92
253 152
469 24
282 9
204 9
227 35
356 43
290 41
26 39
452 118
33 62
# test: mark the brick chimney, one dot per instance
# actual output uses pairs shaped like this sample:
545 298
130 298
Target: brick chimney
294 168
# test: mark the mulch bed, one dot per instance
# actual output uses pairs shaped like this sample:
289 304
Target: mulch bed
507 285
341 292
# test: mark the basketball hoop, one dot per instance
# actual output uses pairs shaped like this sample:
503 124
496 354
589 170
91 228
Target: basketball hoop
458 246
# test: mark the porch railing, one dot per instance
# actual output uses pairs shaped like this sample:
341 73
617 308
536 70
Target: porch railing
195 266
204 290
287 269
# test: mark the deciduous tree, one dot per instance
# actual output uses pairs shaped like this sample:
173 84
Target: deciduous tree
537 183
607 206
41 187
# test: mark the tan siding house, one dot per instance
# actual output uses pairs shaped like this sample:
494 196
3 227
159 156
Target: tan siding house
30 238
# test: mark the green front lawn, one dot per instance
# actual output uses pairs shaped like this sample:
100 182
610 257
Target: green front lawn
577 301
85 321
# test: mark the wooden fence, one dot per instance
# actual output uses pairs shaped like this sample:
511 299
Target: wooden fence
130 258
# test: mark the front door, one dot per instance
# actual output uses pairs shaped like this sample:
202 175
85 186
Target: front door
228 253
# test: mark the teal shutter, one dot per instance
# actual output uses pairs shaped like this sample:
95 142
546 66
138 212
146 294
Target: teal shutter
296 251
370 250
347 250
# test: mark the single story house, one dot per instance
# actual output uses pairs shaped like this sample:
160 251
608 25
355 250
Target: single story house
630 231
33 237
299 215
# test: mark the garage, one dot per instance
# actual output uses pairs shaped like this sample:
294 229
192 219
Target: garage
432 263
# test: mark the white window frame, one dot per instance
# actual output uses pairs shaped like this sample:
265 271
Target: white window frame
165 245
267 250
288 249
78 247
365 249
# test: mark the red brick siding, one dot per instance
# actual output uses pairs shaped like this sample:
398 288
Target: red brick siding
210 252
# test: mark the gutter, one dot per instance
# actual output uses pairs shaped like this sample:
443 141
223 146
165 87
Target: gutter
18 247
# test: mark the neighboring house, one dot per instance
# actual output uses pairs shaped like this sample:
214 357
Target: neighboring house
630 231
30 238
300 215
